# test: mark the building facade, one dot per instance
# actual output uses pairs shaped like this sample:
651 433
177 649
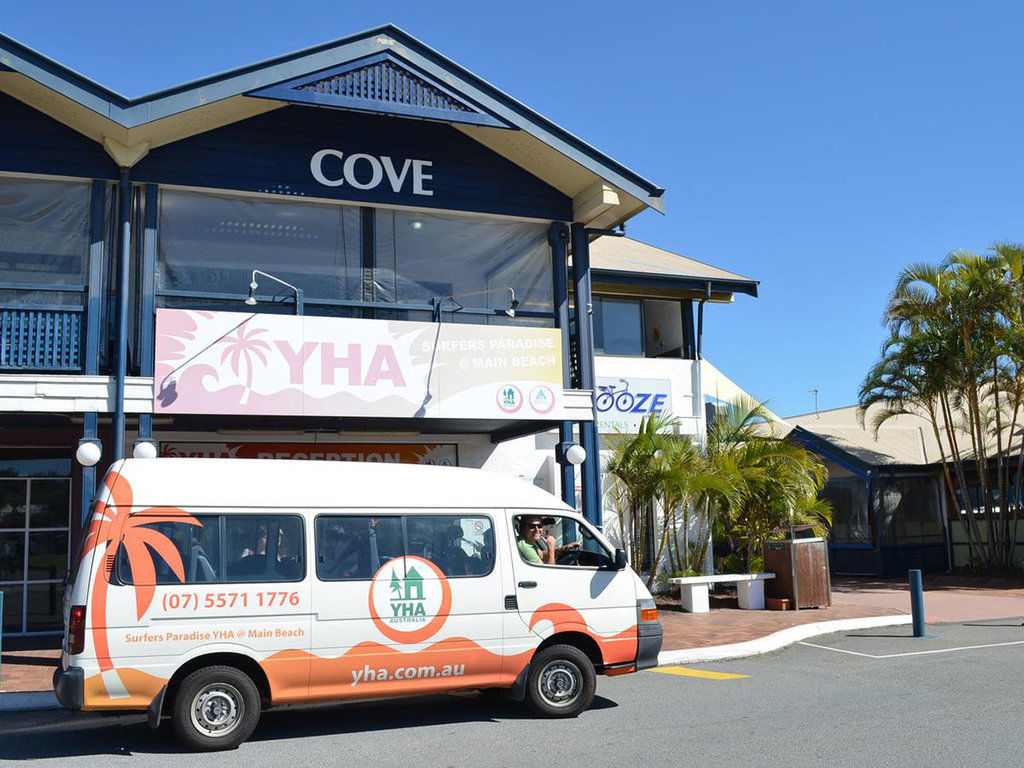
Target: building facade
360 251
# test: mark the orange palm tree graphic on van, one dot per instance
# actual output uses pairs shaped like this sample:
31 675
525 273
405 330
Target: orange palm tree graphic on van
244 349
113 525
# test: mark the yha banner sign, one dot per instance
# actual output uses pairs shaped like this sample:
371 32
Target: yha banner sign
621 404
258 364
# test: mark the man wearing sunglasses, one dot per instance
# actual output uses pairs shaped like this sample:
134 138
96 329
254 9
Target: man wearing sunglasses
534 546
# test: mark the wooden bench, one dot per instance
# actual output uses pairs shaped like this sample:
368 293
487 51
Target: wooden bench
693 590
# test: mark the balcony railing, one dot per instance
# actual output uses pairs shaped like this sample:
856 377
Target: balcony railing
41 339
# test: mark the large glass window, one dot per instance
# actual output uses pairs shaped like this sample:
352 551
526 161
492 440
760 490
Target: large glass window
908 510
212 243
44 239
618 327
35 516
44 231
420 256
849 499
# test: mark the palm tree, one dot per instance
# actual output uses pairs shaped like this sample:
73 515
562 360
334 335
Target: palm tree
244 348
746 479
114 525
767 483
953 357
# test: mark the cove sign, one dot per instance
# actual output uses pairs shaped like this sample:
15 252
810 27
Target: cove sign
333 168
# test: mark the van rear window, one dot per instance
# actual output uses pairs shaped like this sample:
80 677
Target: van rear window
356 546
221 549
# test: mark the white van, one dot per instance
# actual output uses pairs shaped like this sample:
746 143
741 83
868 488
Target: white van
210 589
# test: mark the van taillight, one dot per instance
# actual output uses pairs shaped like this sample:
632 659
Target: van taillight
76 630
648 610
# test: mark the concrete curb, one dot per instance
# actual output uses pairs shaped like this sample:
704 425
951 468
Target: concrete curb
776 640
20 702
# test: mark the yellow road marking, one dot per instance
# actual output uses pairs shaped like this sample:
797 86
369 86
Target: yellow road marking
683 671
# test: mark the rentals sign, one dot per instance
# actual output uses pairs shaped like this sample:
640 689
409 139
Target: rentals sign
262 364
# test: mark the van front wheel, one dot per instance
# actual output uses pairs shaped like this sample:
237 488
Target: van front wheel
215 708
561 683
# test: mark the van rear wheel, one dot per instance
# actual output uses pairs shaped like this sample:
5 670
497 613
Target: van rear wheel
562 682
215 708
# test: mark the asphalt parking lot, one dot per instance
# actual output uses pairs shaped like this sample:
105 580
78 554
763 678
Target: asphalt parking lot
872 697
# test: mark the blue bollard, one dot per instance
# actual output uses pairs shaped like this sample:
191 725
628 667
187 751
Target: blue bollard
917 603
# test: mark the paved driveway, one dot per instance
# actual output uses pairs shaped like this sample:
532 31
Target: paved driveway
874 697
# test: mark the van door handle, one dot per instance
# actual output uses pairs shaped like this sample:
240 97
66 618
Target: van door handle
527 584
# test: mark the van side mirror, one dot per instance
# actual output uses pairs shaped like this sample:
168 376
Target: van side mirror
620 560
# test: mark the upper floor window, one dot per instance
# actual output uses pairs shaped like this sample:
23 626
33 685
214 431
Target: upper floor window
44 236
618 327
420 256
209 244
642 327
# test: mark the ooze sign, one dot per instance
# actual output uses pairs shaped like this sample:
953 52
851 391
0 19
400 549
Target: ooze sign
410 599
261 364
623 403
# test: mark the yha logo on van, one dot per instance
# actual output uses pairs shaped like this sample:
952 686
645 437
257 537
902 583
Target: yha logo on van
410 599
333 168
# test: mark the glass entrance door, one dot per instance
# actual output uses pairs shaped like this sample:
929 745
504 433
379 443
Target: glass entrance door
35 516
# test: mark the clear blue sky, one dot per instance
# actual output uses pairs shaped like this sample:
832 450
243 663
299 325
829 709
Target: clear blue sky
815 146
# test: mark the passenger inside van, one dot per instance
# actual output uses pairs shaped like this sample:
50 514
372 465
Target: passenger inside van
535 545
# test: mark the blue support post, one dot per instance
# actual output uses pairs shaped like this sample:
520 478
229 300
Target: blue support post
917 602
124 190
558 239
147 299
591 467
90 431
93 329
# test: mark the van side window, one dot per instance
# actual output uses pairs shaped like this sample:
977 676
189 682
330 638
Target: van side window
350 547
264 548
573 542
222 549
460 545
355 546
198 547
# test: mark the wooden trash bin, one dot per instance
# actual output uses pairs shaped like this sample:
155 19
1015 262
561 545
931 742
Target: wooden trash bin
801 572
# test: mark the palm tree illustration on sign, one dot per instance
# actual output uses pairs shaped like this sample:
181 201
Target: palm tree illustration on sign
243 349
114 521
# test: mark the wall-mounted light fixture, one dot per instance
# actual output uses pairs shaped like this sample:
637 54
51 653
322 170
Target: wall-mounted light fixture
89 451
143 448
438 301
253 285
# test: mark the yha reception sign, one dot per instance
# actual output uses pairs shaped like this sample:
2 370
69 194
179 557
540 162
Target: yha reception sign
260 364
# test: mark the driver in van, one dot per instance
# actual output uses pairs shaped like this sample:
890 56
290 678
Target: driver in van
534 546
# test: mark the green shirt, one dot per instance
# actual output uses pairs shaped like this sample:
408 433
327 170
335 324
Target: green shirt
528 551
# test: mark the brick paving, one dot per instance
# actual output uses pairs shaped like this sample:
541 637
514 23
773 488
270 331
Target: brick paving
28 670
726 624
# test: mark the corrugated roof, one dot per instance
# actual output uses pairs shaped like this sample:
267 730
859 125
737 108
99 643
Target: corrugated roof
903 439
624 254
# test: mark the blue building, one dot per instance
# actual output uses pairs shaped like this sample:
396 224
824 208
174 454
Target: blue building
368 229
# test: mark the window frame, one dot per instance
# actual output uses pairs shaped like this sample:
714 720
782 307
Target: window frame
115 574
405 541
579 522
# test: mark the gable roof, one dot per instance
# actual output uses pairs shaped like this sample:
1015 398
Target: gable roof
606 192
904 440
624 261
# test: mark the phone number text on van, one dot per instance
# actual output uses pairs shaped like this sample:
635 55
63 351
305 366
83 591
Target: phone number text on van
190 601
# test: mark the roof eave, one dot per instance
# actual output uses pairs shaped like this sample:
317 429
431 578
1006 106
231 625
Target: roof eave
683 282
